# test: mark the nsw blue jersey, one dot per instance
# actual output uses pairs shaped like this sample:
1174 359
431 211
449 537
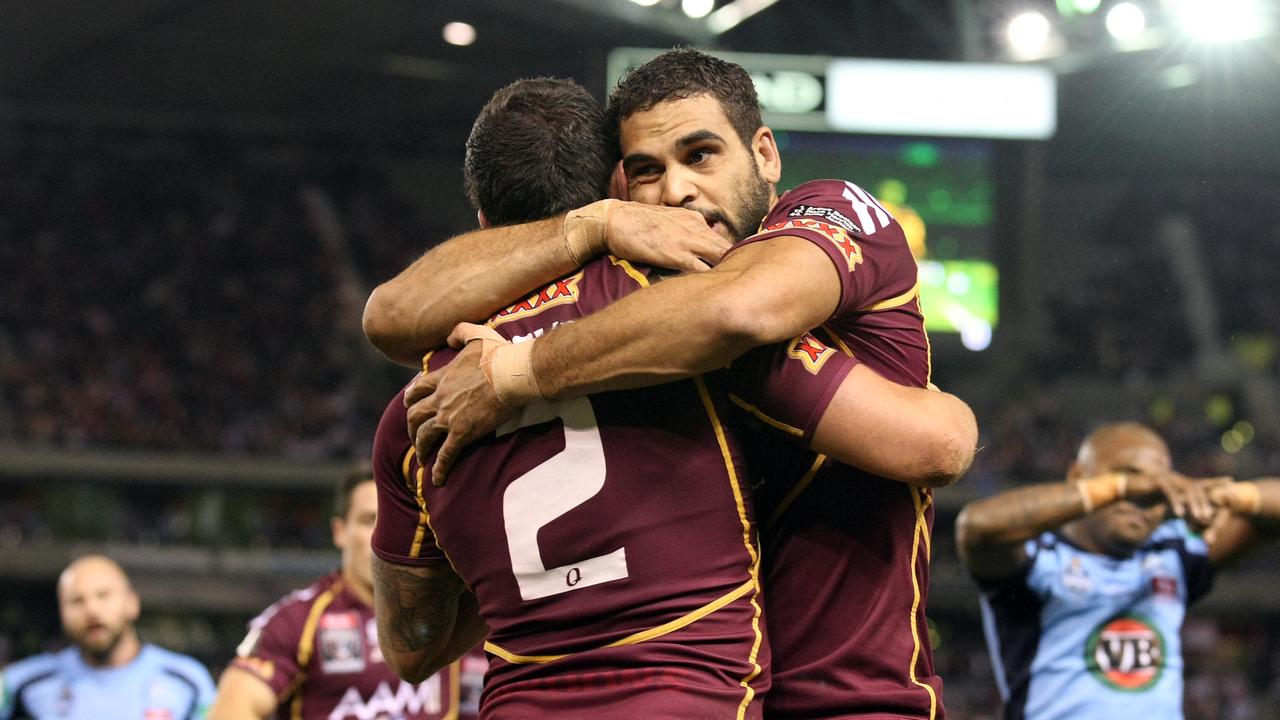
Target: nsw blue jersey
155 685
1077 635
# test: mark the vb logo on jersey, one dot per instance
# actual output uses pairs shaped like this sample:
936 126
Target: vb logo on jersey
1126 653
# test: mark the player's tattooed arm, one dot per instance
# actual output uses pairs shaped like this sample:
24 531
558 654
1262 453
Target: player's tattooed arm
426 618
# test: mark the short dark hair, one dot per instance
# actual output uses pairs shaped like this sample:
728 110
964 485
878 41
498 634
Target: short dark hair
682 73
538 148
356 475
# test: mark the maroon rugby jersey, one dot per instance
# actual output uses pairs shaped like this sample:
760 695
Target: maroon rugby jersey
609 540
318 651
847 553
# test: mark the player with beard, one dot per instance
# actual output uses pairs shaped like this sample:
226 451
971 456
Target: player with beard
848 542
314 654
1085 583
107 671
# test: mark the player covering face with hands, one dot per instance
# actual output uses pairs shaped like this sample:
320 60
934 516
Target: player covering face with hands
1086 583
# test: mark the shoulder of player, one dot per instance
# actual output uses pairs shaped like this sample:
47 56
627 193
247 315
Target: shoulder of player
31 669
184 669
590 288
293 608
392 423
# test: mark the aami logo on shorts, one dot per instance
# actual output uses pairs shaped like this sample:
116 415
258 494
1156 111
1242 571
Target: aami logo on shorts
1126 653
837 235
557 293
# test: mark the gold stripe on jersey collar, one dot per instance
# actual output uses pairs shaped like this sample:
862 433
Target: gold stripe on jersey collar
634 638
791 430
629 269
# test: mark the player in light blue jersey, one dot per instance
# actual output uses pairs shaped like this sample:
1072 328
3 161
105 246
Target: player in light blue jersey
1085 584
107 673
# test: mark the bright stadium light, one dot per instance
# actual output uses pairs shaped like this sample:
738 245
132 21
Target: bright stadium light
459 33
697 8
1028 35
1126 21
1221 20
645 3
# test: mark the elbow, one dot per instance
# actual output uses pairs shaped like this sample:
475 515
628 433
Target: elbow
412 668
386 325
376 321
955 440
745 322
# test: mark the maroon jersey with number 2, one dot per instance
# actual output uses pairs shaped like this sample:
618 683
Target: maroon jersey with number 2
847 553
318 651
609 539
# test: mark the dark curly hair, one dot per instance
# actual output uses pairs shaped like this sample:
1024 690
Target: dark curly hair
682 73
538 148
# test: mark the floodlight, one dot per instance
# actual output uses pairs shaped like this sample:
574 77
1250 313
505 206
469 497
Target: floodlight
459 33
1029 35
1126 21
697 8
1221 20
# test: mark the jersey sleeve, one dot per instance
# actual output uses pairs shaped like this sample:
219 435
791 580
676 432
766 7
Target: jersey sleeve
270 650
789 385
864 242
402 534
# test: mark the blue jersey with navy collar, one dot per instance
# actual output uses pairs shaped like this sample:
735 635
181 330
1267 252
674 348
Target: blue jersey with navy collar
1078 635
155 685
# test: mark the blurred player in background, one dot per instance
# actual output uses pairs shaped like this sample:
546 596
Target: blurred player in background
314 655
1085 583
108 672
848 544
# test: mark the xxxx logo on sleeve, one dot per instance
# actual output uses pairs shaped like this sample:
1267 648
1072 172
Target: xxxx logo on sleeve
557 293
838 236
1126 653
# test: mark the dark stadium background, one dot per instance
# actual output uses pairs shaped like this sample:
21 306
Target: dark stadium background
196 197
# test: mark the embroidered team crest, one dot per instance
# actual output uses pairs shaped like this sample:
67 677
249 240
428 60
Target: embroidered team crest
1126 653
1076 579
810 351
341 641
838 236
557 293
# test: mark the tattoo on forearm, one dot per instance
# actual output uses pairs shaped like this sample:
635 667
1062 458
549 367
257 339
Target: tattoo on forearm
417 611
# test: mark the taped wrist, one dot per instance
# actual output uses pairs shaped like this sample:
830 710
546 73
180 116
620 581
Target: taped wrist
586 230
509 369
1102 490
1246 498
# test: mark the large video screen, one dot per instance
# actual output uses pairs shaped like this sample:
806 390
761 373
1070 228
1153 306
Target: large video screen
943 194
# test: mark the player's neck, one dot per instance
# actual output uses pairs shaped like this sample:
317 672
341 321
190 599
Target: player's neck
363 591
1081 536
122 654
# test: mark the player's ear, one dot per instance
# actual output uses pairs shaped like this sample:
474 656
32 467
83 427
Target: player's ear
765 149
480 218
339 526
133 606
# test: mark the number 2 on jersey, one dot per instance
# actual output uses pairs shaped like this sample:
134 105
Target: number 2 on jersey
561 483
